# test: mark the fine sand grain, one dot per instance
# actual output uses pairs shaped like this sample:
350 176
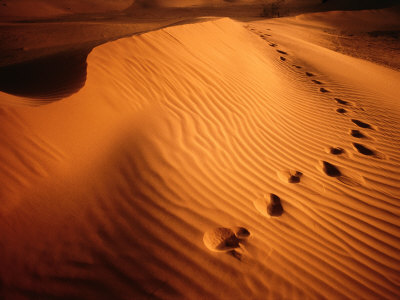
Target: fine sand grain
140 182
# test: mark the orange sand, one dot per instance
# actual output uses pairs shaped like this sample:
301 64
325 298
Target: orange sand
108 193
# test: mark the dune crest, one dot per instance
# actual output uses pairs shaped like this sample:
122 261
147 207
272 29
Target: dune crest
178 131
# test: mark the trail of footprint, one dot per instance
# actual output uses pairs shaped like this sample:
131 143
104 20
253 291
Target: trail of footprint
361 124
324 90
363 150
316 81
281 52
309 74
357 134
282 58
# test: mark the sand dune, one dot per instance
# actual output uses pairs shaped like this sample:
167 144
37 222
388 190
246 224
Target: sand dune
368 34
120 190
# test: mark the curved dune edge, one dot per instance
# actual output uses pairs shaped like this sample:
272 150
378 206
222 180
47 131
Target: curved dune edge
107 194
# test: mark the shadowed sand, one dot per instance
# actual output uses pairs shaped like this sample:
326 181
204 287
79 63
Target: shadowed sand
138 184
50 78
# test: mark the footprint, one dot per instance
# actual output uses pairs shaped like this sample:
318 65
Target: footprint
336 150
363 150
357 134
297 67
230 241
273 45
340 101
316 81
309 74
221 239
347 177
361 124
281 52
274 208
282 58
323 90
330 169
290 176
271 208
341 110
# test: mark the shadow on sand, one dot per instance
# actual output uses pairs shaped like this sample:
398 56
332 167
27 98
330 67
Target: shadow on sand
47 79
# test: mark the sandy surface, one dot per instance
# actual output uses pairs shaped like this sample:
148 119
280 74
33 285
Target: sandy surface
356 34
213 160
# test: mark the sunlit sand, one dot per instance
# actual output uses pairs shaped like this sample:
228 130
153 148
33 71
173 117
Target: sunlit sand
216 158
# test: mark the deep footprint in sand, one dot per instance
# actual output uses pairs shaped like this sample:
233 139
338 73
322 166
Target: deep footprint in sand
336 150
281 52
330 170
297 67
361 124
344 176
221 239
309 74
363 150
282 58
340 101
271 207
316 81
229 241
357 134
324 90
273 45
274 208
341 110
290 176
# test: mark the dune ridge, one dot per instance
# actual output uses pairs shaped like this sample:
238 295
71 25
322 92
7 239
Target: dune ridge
178 131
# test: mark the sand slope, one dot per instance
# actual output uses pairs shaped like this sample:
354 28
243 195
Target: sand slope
107 194
372 35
